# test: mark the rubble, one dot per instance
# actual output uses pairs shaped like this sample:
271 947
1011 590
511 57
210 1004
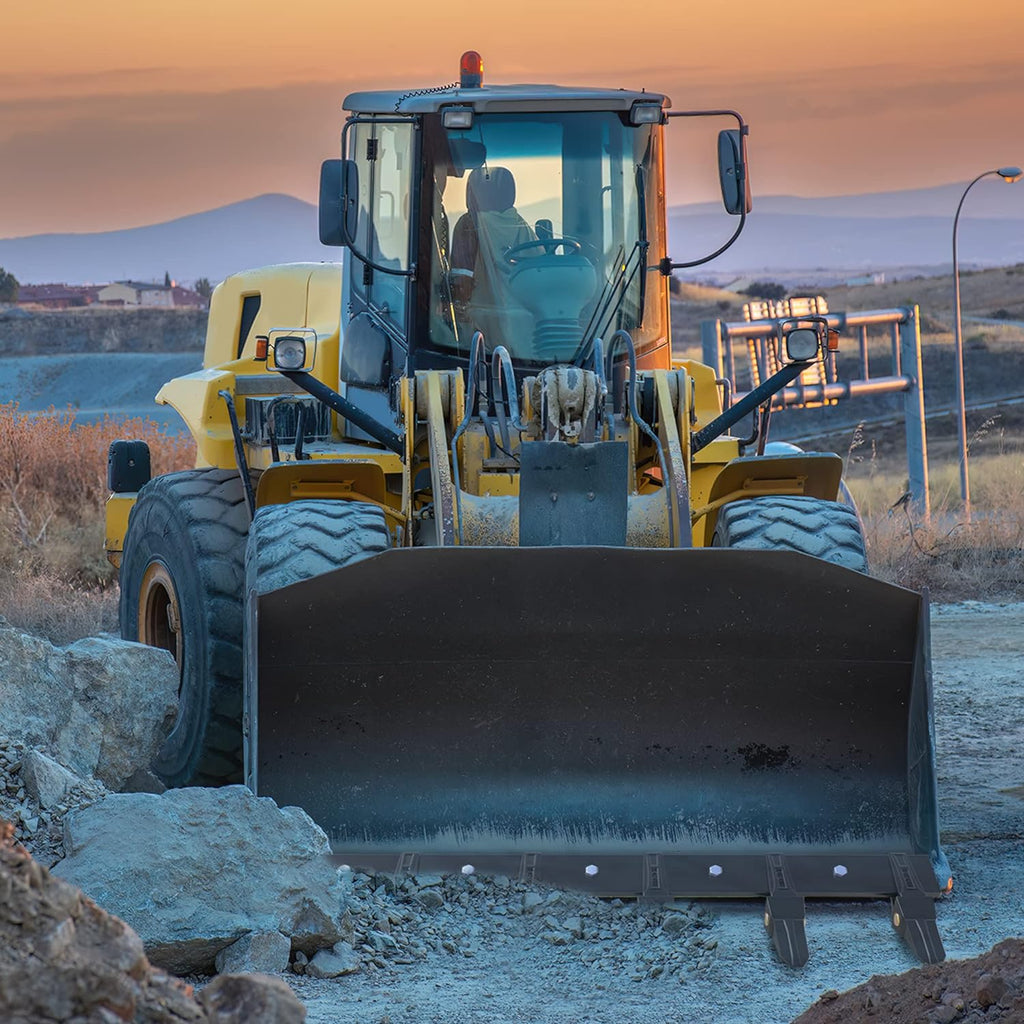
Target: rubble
204 868
393 921
62 958
984 989
29 784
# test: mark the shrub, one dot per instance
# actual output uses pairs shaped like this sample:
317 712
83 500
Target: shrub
52 494
770 290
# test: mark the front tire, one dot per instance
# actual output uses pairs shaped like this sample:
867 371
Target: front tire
812 526
288 544
182 577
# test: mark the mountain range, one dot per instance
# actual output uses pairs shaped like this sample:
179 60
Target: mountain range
875 232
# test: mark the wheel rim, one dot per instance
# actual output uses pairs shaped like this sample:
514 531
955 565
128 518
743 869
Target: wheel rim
159 612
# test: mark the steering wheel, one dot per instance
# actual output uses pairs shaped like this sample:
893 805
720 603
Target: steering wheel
549 245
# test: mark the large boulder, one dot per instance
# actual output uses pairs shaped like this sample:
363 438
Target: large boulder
100 706
194 870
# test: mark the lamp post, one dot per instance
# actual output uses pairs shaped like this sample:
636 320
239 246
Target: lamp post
1008 174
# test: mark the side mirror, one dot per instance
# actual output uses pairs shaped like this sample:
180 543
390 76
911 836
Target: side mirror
339 192
732 171
330 203
801 344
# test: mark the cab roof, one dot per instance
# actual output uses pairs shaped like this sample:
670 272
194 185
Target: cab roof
498 98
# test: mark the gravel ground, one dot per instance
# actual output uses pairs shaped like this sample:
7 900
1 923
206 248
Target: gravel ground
484 955
464 949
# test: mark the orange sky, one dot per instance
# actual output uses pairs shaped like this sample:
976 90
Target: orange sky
116 113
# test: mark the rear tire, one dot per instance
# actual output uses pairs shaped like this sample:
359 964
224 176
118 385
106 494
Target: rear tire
290 543
812 526
181 589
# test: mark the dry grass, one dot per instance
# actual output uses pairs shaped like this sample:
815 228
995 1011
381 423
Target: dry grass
982 293
956 558
54 576
55 580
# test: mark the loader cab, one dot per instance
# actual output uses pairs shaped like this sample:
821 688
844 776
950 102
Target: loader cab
534 214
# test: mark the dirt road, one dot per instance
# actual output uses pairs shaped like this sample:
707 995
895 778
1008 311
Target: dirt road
735 976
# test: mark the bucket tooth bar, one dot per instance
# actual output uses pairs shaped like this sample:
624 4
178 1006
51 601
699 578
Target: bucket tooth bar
783 880
913 910
785 915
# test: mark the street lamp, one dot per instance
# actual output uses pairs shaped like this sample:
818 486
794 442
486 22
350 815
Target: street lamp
1008 174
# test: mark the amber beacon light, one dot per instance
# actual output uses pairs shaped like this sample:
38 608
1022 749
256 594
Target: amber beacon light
471 70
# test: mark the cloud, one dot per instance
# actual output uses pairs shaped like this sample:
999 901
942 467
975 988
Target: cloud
75 82
95 160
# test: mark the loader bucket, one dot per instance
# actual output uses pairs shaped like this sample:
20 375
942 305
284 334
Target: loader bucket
623 720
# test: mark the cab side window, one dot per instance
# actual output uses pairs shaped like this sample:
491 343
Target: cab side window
384 156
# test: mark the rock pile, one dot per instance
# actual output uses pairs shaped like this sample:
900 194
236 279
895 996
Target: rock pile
985 989
393 921
64 959
36 792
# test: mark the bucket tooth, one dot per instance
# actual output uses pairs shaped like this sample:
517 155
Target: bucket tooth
785 914
913 913
528 868
654 890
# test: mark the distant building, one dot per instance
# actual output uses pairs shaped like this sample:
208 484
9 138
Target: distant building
854 282
185 298
57 296
138 293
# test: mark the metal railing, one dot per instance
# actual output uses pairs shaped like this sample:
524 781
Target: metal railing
746 351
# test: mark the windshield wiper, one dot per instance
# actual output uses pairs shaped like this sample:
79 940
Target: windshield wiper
604 310
642 242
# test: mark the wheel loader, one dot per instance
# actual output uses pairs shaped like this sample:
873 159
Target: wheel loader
477 573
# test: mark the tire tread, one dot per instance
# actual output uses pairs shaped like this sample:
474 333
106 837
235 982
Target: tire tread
811 526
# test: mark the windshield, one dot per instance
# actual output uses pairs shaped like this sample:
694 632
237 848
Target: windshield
537 238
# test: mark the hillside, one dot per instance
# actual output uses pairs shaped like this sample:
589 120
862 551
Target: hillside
212 244
784 234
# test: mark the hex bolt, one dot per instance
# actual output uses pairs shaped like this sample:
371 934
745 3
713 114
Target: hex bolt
839 871
591 869
715 870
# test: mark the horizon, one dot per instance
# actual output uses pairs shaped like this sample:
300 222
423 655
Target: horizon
205 209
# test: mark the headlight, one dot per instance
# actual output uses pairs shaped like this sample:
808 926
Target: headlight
645 113
457 118
291 349
289 353
802 344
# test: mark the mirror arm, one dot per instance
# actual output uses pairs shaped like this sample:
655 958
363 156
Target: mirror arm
350 242
666 266
349 410
747 404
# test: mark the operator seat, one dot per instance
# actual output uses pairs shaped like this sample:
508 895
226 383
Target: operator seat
482 236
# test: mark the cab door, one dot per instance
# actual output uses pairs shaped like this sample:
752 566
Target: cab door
377 290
